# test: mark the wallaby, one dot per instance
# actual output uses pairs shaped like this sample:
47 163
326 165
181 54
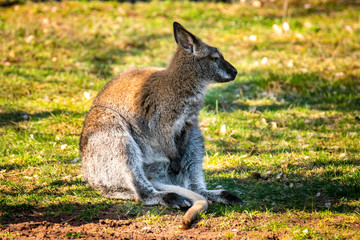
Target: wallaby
141 138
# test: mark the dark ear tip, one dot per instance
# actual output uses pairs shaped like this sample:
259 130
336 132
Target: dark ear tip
176 25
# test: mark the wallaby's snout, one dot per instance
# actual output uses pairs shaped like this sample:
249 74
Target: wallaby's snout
223 71
231 72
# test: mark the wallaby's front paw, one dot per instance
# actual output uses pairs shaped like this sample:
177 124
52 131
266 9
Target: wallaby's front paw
230 198
175 200
175 166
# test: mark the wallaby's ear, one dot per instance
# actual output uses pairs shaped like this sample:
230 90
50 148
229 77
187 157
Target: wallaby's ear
186 39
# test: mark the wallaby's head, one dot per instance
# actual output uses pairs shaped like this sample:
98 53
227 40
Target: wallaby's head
207 61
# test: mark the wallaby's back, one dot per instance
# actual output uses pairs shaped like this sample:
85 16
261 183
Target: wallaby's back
121 93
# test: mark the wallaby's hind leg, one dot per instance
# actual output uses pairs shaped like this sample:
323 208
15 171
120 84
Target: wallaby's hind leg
193 158
111 164
112 161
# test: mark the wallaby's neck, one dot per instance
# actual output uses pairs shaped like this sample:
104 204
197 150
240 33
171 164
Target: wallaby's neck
182 74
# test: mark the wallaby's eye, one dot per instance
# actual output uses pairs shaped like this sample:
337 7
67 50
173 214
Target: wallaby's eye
215 59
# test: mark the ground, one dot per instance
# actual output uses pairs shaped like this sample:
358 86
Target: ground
112 225
284 136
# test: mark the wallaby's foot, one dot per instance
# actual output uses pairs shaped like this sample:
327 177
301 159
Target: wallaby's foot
231 198
175 200
221 196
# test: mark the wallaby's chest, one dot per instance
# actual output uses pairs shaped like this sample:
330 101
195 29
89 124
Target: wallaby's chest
188 116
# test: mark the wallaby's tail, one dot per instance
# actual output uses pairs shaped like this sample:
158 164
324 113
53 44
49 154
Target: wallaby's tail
190 215
199 203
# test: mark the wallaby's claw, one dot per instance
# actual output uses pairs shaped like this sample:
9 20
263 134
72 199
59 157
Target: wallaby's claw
231 198
187 203
175 200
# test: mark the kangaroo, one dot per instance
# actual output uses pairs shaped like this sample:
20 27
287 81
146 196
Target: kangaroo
141 138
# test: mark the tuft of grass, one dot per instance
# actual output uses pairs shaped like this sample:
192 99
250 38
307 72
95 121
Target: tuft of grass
73 235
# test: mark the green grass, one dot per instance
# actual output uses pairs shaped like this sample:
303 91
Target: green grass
72 235
290 145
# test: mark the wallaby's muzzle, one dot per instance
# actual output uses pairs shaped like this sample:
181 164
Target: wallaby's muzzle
233 72
230 71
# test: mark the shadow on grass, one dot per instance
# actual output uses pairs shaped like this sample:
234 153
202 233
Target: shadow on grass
8 118
290 192
224 147
73 213
300 89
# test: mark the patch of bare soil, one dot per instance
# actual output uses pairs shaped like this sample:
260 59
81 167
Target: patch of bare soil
112 226
118 229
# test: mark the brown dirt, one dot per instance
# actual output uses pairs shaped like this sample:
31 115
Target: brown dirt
118 229
111 226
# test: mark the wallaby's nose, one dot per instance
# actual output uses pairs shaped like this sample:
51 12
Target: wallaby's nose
234 71
231 71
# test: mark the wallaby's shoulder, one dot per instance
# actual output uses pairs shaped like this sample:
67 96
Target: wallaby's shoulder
123 89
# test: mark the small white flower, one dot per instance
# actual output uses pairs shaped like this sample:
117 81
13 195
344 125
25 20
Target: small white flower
273 125
223 129
277 29
12 54
256 4
286 26
290 63
307 5
45 21
307 24
87 95
264 61
253 38
349 29
28 39
339 74
299 36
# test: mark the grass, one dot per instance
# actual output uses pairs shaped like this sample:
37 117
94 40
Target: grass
284 135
